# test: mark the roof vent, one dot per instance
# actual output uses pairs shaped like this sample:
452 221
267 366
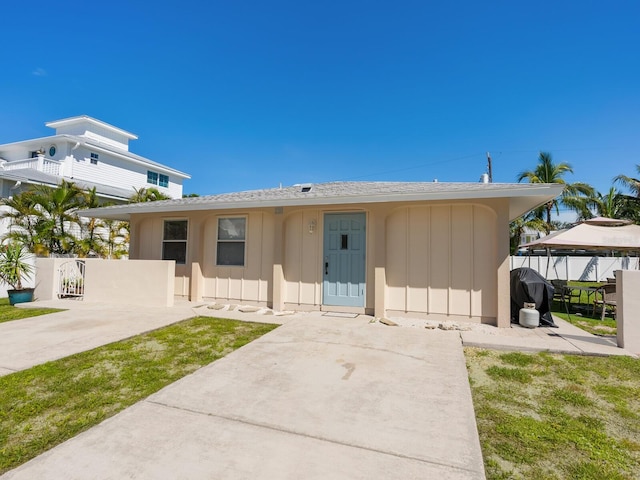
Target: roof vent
306 187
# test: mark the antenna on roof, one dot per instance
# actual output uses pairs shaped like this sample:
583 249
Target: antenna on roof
489 170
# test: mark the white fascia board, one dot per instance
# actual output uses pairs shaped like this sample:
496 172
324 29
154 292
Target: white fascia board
23 143
87 119
532 197
73 139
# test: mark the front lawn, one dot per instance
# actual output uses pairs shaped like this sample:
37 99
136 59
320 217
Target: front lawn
551 416
50 403
9 312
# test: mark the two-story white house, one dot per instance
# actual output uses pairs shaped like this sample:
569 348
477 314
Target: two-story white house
90 153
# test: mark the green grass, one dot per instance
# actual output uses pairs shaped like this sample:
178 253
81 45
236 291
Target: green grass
584 318
548 416
589 324
50 403
9 312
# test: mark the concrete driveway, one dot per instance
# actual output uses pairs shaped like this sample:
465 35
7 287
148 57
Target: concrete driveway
321 398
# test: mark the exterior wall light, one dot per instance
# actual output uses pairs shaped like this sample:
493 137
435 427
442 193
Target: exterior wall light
312 225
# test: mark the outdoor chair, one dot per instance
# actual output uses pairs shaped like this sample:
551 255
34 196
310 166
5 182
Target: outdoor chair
562 293
559 287
608 294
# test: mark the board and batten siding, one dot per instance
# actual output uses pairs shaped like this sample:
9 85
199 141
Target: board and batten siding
251 282
441 261
149 231
302 262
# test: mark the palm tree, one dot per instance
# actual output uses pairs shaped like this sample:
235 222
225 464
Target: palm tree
116 241
529 221
44 219
632 201
23 215
611 205
632 184
58 208
90 241
547 171
150 194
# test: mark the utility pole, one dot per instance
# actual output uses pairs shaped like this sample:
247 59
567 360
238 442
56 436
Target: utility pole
489 170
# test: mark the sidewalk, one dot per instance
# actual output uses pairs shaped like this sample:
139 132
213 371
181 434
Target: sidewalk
567 338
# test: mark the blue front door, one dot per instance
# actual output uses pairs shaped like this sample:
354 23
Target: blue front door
344 259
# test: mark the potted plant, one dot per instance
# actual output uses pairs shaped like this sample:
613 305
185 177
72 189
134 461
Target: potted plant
13 270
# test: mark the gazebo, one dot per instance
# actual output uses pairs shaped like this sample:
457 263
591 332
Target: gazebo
599 234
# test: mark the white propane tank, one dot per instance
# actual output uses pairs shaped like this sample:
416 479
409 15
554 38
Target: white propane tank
529 317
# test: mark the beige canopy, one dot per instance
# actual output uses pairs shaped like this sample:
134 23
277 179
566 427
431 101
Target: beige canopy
593 235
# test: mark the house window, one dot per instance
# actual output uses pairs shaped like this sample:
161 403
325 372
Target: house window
231 241
174 241
164 180
94 158
152 177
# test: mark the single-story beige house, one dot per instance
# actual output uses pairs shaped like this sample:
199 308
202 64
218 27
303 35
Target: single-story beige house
383 248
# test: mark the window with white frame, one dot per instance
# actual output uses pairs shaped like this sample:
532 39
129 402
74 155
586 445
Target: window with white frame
94 158
174 241
152 177
163 180
231 241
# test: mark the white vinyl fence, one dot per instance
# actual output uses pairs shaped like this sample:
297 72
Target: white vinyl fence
586 269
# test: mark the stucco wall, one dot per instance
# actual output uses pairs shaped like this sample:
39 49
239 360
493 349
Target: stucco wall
628 308
129 282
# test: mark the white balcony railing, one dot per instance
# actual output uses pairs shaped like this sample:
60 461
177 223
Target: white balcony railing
45 165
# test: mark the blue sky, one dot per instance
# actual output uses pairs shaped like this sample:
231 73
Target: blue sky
248 94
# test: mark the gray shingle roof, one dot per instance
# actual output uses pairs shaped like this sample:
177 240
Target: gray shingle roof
337 193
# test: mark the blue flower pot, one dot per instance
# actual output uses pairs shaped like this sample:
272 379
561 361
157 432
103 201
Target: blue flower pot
20 296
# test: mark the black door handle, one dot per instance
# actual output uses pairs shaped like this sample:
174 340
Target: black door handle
326 268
